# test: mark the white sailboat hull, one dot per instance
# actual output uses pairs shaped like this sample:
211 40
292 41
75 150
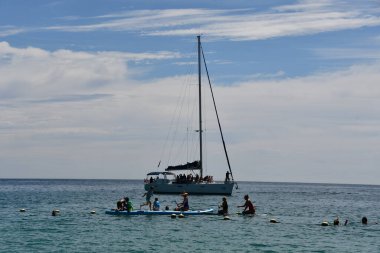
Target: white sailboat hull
192 188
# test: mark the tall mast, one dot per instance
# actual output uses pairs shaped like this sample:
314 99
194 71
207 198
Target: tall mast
200 106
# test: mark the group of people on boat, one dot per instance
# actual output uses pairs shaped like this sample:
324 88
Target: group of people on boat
190 178
184 179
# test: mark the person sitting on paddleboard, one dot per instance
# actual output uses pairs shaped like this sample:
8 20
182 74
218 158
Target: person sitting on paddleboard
128 204
248 205
156 205
184 206
224 207
121 204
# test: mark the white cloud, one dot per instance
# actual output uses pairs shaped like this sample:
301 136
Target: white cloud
39 73
347 53
302 18
9 30
294 128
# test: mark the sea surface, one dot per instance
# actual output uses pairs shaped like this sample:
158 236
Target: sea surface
300 209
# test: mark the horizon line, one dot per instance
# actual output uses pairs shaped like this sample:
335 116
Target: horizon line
237 181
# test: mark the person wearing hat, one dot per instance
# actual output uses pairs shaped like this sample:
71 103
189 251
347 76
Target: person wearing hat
184 206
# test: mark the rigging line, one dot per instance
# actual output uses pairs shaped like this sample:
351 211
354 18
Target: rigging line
184 144
177 143
179 119
205 133
193 144
174 121
217 116
194 111
190 120
174 125
191 106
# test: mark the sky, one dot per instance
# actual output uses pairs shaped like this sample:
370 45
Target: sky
88 89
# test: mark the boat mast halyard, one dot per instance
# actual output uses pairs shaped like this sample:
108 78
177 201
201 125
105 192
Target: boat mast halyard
200 106
217 117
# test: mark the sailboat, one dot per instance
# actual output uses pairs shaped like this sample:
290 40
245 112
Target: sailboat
168 182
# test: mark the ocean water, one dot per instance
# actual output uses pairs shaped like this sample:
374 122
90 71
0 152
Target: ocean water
300 209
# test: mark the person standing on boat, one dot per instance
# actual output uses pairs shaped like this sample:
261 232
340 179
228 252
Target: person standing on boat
184 206
227 176
224 207
148 195
248 205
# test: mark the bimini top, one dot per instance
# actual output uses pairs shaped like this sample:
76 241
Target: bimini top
156 173
196 165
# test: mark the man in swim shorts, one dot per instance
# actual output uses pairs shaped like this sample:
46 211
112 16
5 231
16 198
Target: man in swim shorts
248 205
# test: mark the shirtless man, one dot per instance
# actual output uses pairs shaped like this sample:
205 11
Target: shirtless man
248 205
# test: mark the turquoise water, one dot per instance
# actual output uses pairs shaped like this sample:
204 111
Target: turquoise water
300 208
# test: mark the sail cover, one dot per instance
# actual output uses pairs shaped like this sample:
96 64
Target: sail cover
188 166
157 173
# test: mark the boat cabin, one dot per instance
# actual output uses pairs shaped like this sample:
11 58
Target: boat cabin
160 177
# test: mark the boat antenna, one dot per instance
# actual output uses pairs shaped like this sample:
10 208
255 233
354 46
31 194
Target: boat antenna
200 106
217 116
